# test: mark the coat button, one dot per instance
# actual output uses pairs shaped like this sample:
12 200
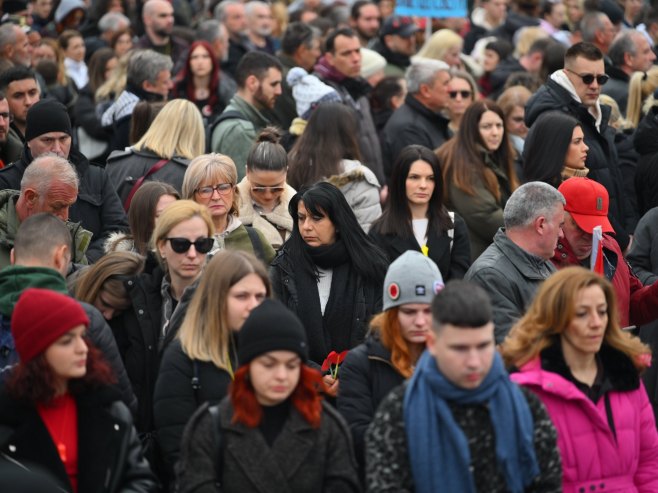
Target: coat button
602 486
581 490
140 311
116 427
564 255
12 448
130 283
592 488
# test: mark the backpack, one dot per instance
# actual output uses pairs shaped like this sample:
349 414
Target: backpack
226 115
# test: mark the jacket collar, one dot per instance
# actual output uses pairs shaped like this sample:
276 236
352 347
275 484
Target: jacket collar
419 107
530 266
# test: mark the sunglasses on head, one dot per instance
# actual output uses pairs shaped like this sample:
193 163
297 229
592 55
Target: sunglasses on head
182 245
601 79
267 189
463 94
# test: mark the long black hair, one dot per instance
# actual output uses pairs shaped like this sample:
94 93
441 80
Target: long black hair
324 199
396 218
546 147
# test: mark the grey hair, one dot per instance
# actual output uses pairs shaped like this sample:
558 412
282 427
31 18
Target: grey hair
112 21
220 9
45 170
251 6
210 30
423 71
528 202
145 66
7 35
623 43
590 24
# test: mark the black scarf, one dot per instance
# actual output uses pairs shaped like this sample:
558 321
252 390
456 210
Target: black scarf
333 331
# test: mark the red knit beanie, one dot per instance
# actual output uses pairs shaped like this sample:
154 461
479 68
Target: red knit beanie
40 318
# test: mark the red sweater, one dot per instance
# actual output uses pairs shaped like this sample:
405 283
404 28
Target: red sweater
61 420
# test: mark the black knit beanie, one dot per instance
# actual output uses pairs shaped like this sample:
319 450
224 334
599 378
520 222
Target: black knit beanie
46 116
271 327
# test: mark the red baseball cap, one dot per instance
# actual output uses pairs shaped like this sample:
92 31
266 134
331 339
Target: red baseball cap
587 202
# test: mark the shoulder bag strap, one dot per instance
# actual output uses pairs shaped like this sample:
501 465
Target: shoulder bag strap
153 169
255 243
219 460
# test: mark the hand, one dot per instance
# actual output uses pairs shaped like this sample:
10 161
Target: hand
331 385
630 244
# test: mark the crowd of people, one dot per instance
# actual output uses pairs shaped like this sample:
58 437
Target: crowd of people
319 246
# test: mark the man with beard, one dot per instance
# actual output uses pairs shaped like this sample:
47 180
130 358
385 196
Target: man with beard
10 145
14 45
261 23
22 91
365 20
259 85
158 17
231 13
397 43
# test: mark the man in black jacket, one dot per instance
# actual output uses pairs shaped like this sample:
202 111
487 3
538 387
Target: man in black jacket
97 209
575 90
419 119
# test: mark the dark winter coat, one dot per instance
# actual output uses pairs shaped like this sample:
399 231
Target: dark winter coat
646 174
602 159
450 250
367 376
510 276
179 391
301 460
501 73
628 158
412 123
110 456
368 302
124 168
617 86
387 458
97 209
84 114
138 335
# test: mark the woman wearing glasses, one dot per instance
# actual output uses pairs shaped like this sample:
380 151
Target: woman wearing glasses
199 365
182 238
478 172
462 91
264 193
211 180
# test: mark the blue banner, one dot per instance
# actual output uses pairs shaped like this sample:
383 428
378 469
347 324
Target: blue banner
432 8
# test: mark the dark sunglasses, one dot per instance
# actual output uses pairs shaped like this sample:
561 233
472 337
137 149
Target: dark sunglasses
267 189
463 94
182 245
589 78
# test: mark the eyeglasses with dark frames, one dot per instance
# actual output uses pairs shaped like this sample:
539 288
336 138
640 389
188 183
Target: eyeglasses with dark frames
267 189
207 192
601 79
182 245
463 94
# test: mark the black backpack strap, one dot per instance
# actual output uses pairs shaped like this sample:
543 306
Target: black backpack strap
219 449
226 115
256 244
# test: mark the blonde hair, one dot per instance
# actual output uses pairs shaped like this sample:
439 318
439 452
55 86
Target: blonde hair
640 94
172 216
526 37
116 83
209 168
551 313
439 43
617 121
176 131
204 333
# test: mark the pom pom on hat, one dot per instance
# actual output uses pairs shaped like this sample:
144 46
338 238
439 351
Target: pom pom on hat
309 91
41 317
271 327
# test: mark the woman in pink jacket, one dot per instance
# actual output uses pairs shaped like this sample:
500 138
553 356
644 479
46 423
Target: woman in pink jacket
569 350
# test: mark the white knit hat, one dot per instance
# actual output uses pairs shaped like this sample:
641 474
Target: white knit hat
371 62
309 91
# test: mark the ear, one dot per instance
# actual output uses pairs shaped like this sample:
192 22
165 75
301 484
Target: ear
31 197
12 257
161 248
540 223
628 59
330 58
430 340
61 259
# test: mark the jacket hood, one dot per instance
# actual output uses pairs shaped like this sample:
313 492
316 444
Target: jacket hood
15 279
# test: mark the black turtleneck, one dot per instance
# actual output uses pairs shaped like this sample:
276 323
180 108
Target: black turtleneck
274 418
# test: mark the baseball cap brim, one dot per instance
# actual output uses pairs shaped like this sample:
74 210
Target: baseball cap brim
587 223
408 31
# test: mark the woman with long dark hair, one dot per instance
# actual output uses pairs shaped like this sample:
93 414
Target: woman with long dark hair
328 150
555 149
478 172
273 432
415 218
200 81
328 272
59 412
572 353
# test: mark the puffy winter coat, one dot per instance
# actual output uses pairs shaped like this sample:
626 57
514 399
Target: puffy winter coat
110 456
609 446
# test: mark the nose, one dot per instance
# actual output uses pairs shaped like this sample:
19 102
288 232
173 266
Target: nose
253 302
63 214
81 345
596 320
586 146
421 319
191 252
306 224
473 359
280 372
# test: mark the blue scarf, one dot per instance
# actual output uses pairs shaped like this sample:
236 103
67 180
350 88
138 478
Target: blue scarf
438 449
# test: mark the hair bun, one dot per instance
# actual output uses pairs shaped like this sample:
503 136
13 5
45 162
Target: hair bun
269 134
295 76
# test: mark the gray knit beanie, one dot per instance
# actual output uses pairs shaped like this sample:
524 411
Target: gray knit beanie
309 91
411 278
